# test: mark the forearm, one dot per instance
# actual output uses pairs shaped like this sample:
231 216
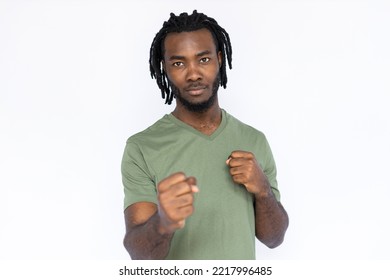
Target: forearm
146 241
271 220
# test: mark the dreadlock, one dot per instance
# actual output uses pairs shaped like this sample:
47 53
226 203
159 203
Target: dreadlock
186 23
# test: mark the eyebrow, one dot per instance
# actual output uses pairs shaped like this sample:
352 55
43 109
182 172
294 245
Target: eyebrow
180 57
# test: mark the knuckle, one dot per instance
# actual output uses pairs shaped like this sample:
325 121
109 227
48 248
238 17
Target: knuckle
188 187
160 186
160 197
179 175
181 187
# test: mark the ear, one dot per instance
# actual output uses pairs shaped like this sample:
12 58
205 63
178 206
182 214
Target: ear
220 58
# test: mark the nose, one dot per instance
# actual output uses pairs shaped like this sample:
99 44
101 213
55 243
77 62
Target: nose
193 72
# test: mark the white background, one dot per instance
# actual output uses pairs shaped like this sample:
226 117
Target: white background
75 84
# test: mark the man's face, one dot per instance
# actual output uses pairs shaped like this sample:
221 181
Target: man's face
192 66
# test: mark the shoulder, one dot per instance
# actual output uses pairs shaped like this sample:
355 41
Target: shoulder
152 132
143 143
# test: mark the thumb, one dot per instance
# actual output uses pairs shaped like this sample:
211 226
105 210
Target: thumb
181 224
192 182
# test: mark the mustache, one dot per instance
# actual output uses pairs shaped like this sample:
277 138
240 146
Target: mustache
195 85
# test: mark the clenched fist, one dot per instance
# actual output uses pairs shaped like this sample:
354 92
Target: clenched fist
246 171
175 201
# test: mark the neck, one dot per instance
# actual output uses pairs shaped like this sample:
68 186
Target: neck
206 122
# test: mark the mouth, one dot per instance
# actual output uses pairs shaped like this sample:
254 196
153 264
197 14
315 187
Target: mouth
195 91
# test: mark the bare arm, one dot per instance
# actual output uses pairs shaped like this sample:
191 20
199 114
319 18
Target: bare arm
143 240
150 227
271 220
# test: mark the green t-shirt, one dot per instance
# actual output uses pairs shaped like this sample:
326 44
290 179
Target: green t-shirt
223 224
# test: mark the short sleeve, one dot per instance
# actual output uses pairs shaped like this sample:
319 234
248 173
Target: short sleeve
138 183
269 169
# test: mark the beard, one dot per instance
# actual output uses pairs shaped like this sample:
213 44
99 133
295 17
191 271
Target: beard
199 107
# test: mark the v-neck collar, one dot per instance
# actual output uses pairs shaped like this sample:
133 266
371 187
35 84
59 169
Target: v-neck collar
189 128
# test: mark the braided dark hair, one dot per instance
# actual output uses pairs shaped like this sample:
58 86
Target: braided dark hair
182 23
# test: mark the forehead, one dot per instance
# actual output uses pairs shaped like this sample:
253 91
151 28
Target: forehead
180 42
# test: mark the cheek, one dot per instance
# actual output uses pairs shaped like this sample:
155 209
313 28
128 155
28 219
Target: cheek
213 72
174 77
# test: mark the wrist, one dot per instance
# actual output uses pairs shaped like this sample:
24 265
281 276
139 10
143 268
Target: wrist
164 228
167 227
264 195
265 192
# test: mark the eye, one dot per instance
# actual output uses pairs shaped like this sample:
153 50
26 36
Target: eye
204 59
177 64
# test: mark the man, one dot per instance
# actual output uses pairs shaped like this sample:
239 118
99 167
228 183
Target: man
199 184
